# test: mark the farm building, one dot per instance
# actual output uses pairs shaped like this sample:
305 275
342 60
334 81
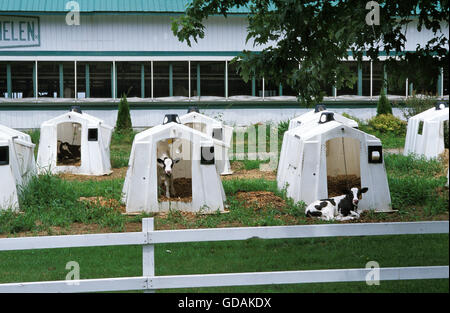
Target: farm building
219 132
314 115
325 160
425 132
75 143
128 47
17 165
196 179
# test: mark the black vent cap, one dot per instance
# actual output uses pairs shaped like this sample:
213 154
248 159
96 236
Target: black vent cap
441 105
75 108
320 107
193 109
326 117
169 118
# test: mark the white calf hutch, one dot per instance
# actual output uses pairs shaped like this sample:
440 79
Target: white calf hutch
425 132
75 143
314 115
17 165
322 161
196 172
222 136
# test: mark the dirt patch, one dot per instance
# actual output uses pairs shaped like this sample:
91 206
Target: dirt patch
69 162
104 202
394 151
444 158
260 200
183 188
239 172
118 173
339 184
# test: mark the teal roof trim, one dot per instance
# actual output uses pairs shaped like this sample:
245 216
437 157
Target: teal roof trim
90 6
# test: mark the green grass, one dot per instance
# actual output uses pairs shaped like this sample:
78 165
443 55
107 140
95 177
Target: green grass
416 182
49 201
252 255
120 148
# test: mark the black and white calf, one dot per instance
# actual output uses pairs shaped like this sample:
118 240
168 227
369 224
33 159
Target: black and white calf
67 151
165 165
341 208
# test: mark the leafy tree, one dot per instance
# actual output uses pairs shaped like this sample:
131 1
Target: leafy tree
384 106
123 123
303 42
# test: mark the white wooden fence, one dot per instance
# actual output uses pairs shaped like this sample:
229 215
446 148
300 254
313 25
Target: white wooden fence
149 237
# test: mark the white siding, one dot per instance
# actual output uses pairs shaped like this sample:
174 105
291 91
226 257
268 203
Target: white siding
146 118
153 33
137 33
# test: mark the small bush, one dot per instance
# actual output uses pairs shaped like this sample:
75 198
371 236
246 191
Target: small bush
388 123
283 126
384 106
123 123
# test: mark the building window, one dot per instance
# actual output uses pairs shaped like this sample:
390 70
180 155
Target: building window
352 90
160 79
270 88
195 79
236 85
48 79
366 78
446 82
94 80
100 79
377 77
3 82
426 83
288 91
22 79
129 79
81 80
396 84
212 78
148 79
180 77
68 76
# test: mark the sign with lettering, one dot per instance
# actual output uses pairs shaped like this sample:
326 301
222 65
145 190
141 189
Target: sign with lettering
19 31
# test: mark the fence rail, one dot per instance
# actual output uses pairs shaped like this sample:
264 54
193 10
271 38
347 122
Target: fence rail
149 237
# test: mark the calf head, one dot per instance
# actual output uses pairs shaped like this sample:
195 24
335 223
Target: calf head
167 164
355 194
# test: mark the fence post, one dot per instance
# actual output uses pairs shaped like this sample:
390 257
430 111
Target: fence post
148 253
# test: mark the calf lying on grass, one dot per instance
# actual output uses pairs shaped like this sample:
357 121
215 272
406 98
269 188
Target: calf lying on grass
341 208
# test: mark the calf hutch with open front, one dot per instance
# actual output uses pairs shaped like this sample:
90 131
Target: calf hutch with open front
17 165
425 132
220 133
197 183
323 160
75 143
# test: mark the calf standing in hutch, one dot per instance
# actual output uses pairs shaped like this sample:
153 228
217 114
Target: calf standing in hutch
165 166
